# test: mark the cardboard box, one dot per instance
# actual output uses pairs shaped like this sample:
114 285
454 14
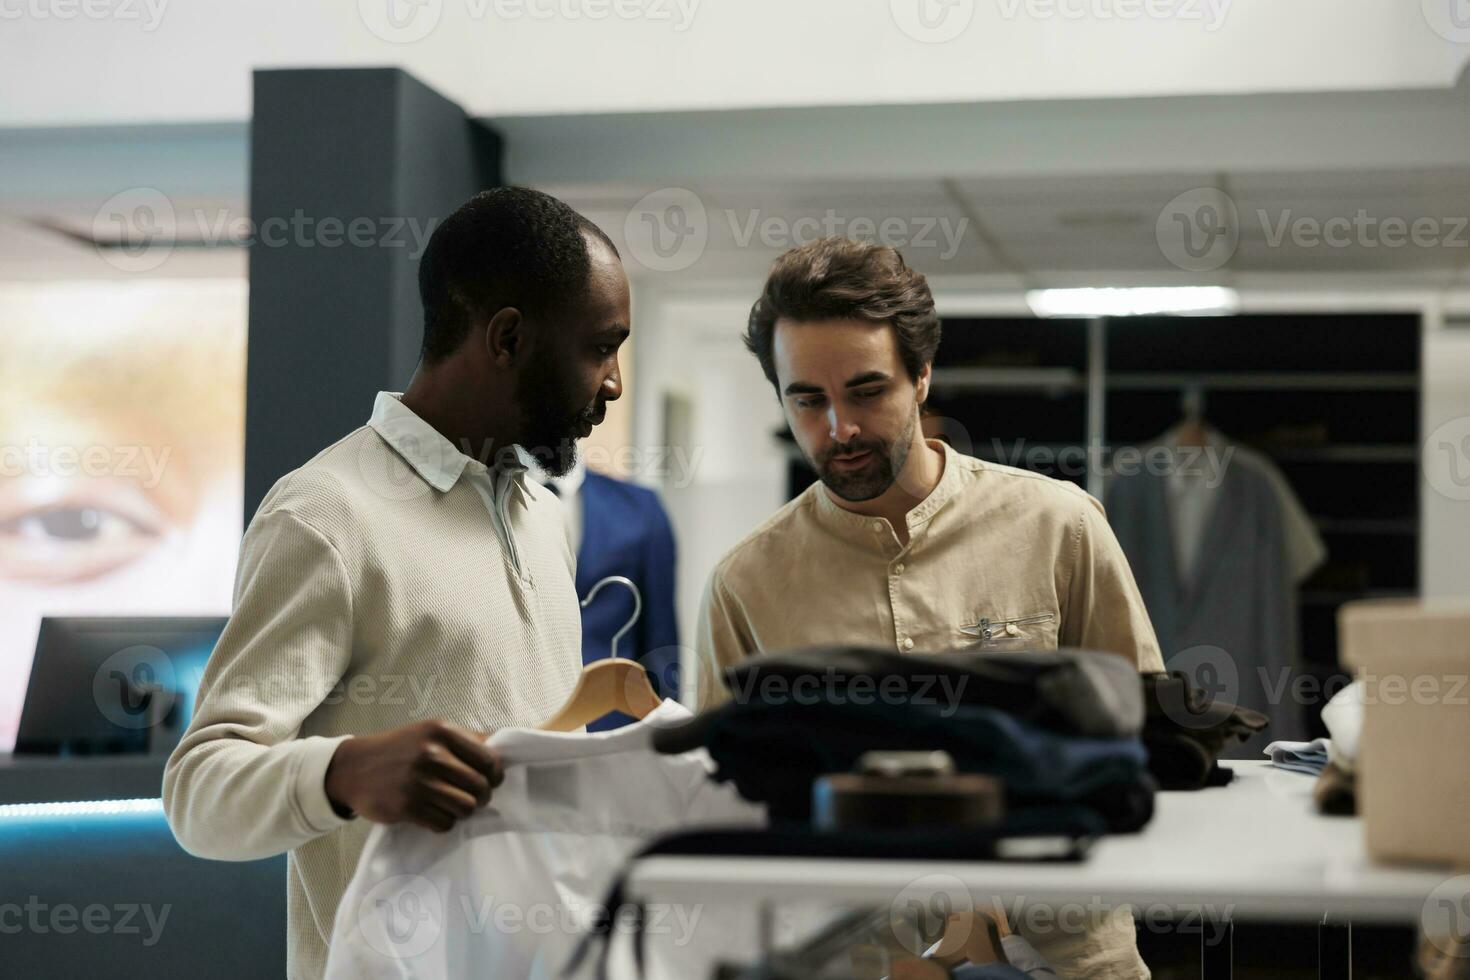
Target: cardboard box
1414 755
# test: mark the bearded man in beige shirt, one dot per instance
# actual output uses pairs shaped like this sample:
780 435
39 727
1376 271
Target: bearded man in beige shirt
904 542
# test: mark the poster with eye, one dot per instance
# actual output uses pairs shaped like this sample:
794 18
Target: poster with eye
122 425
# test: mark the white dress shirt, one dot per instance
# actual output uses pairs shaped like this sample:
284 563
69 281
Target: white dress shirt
510 891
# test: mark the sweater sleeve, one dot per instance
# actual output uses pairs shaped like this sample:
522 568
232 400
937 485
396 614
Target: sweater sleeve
242 784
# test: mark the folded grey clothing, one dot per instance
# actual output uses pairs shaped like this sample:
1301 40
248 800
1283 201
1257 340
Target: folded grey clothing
1077 692
1304 757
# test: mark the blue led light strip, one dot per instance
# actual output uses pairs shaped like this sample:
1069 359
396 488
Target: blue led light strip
81 808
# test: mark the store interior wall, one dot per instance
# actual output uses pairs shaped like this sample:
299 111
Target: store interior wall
687 323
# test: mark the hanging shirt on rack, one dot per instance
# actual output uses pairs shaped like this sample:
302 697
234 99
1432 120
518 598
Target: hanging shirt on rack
510 891
1218 545
1193 490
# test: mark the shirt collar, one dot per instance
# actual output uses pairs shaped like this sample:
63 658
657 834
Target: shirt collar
948 484
433 457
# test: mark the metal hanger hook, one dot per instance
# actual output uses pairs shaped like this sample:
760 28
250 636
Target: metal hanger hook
637 604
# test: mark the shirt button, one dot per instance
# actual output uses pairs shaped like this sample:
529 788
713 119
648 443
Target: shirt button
907 642
877 525
898 569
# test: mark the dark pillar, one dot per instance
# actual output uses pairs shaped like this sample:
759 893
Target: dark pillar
350 169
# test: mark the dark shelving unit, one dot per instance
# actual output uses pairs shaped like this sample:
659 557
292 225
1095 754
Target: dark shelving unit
1332 400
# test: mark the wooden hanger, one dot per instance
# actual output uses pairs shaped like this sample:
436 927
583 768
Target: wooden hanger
605 686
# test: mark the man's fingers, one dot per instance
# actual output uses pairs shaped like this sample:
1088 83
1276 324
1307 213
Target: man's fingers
430 817
452 799
446 766
469 747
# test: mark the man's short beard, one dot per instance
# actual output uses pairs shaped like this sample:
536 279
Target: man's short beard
888 463
550 434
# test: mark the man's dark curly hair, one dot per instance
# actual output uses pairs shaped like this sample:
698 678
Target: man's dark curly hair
510 246
837 278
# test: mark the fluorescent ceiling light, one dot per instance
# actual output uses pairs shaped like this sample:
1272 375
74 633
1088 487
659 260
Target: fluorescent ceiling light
81 808
1133 301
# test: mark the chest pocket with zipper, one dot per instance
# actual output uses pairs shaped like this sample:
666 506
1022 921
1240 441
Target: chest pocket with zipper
1036 632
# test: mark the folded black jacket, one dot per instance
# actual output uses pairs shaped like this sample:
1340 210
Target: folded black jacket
1185 731
1081 692
773 753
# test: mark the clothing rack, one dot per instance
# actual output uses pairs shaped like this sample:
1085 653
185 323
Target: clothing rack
1332 400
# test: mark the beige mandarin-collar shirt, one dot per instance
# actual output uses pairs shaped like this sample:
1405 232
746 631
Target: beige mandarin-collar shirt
998 559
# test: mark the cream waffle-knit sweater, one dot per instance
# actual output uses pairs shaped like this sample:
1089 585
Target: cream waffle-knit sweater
388 580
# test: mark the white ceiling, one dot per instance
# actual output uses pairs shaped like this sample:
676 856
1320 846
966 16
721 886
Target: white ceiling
1004 196
1095 229
1018 231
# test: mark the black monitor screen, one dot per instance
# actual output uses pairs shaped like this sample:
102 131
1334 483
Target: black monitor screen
106 684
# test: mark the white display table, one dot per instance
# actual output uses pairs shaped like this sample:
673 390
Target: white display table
1255 849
